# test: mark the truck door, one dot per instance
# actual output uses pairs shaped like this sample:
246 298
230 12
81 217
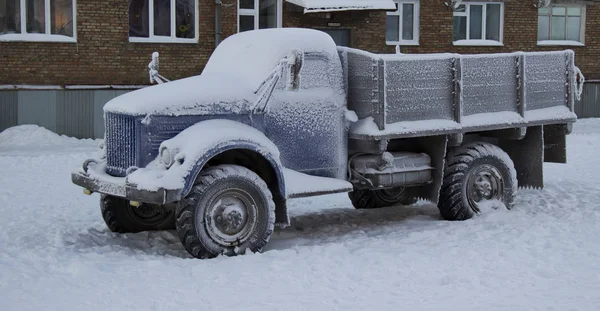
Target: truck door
305 117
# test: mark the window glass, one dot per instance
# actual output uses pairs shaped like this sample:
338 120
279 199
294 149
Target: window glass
10 16
36 16
138 18
459 28
559 11
61 15
246 22
476 22
162 17
574 11
543 27
267 14
247 4
461 8
391 25
558 27
492 24
407 21
185 19
573 28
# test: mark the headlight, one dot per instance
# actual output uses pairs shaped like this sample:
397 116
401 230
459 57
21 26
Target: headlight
166 157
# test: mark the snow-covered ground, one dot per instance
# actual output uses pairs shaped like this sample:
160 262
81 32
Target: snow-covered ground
57 254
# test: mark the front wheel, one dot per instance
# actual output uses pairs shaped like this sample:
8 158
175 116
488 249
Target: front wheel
476 175
229 210
368 199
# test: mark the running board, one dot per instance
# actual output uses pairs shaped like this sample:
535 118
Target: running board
299 185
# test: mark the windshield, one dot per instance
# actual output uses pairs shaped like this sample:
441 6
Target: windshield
252 55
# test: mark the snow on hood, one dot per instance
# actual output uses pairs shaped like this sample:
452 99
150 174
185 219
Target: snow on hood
233 73
193 95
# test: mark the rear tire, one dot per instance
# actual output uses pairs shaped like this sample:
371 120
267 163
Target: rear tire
476 173
121 217
368 199
228 211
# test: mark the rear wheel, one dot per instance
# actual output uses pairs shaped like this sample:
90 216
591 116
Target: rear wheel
367 199
477 175
121 217
229 210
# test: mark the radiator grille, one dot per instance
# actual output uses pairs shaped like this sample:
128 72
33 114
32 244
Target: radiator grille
120 143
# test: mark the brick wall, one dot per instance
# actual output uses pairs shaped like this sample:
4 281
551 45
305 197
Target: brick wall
103 54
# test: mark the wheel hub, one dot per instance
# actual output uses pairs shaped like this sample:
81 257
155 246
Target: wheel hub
484 183
228 221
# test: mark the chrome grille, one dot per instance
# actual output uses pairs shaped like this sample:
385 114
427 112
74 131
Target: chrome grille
120 143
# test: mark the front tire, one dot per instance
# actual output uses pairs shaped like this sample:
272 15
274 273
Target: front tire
476 174
369 199
121 217
228 211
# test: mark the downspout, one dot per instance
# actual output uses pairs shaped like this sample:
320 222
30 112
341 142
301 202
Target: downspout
217 22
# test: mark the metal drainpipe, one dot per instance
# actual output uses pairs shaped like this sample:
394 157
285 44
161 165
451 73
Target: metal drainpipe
217 22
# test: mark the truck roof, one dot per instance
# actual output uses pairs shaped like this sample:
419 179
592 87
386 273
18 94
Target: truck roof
252 55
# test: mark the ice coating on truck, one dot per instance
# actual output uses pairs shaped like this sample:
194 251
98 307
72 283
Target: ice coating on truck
230 80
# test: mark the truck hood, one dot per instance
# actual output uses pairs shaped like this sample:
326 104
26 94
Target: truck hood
197 95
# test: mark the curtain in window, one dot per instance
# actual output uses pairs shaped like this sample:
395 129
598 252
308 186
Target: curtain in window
162 17
36 16
10 16
185 19
138 18
61 16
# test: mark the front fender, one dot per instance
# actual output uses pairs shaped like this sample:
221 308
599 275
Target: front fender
193 147
235 145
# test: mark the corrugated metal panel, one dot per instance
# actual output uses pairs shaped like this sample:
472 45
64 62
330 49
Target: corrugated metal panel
590 101
75 113
37 107
8 109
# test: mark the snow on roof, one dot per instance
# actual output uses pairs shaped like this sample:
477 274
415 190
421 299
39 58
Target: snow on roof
252 55
315 6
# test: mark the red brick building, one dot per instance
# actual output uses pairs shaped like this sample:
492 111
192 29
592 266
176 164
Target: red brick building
58 44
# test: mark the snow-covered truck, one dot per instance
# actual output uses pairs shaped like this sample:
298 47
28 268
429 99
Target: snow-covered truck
283 113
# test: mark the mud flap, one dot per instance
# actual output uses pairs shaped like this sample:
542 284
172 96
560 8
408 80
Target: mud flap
282 218
555 143
435 147
528 156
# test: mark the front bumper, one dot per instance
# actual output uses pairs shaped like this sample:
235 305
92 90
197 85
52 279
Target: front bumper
95 179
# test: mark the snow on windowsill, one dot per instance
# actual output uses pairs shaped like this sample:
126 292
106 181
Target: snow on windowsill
161 40
35 37
403 43
560 43
477 43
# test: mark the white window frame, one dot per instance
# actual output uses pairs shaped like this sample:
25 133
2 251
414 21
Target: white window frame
254 13
172 38
47 36
483 41
416 18
551 42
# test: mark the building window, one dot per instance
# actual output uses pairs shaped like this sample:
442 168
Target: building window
561 25
37 20
163 21
402 25
478 24
258 14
